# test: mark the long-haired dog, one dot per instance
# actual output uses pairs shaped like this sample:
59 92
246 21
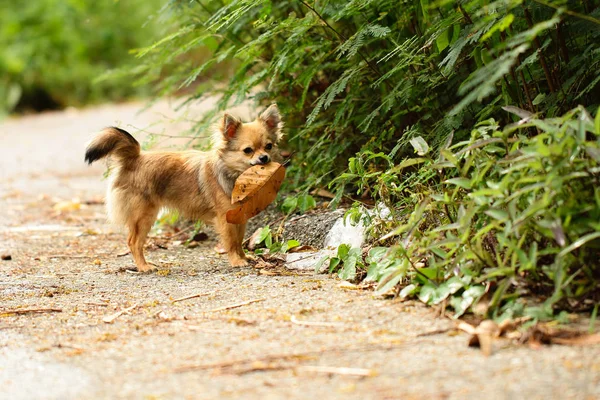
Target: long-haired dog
195 183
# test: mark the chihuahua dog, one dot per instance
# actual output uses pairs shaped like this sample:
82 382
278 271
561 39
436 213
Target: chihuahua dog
195 183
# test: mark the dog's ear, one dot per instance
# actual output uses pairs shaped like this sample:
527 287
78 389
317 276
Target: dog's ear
271 117
230 126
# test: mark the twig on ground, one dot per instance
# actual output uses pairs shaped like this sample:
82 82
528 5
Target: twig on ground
68 346
314 323
337 370
435 332
229 364
193 296
281 357
31 311
72 256
235 305
91 303
110 319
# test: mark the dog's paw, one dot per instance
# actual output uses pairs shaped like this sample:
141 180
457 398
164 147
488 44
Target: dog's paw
143 269
239 262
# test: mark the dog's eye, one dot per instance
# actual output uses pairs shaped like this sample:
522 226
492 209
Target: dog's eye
269 146
248 150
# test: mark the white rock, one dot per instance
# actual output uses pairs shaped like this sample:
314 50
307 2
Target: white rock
307 261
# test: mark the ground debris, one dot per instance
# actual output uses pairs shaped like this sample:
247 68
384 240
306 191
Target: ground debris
193 296
244 303
296 321
337 370
111 318
487 332
4 312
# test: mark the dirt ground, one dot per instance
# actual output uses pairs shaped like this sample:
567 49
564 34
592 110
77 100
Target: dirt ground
291 335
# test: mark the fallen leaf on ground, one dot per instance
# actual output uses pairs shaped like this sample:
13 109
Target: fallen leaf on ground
323 193
301 249
72 205
484 335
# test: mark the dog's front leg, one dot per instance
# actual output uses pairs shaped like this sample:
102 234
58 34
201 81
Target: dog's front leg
231 238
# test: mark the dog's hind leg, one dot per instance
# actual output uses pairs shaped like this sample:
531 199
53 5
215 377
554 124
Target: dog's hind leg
139 224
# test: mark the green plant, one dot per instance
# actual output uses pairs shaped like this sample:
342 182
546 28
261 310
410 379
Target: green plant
52 51
369 76
301 203
265 238
507 212
346 262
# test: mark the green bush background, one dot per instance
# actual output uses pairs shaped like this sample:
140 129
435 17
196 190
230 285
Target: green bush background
52 51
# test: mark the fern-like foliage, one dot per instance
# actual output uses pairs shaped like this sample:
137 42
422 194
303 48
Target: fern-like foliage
357 75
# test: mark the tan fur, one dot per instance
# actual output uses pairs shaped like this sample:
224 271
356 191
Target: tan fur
197 184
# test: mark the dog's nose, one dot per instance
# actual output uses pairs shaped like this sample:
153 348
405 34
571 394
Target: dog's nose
263 159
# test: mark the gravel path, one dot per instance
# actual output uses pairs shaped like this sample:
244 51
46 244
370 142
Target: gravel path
277 345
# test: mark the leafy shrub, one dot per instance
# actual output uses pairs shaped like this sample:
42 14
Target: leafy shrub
505 213
51 51
368 76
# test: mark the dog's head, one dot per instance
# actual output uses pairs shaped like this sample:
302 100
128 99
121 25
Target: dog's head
250 143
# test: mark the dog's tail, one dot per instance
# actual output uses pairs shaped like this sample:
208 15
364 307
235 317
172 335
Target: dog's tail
112 141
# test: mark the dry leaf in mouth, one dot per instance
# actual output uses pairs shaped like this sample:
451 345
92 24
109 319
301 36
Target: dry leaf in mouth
254 190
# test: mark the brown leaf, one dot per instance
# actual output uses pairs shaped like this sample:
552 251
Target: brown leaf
299 249
323 193
581 340
254 190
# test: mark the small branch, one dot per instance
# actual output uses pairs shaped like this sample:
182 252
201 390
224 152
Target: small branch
193 296
90 303
295 320
536 41
526 87
110 319
283 357
569 12
73 256
435 332
369 63
30 311
234 305
229 364
337 370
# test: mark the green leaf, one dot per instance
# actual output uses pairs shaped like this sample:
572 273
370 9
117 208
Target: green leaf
420 145
320 263
264 233
407 291
499 26
578 243
500 215
333 263
343 251
597 122
348 270
469 296
462 182
390 280
290 244
306 202
289 204
427 293
455 284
